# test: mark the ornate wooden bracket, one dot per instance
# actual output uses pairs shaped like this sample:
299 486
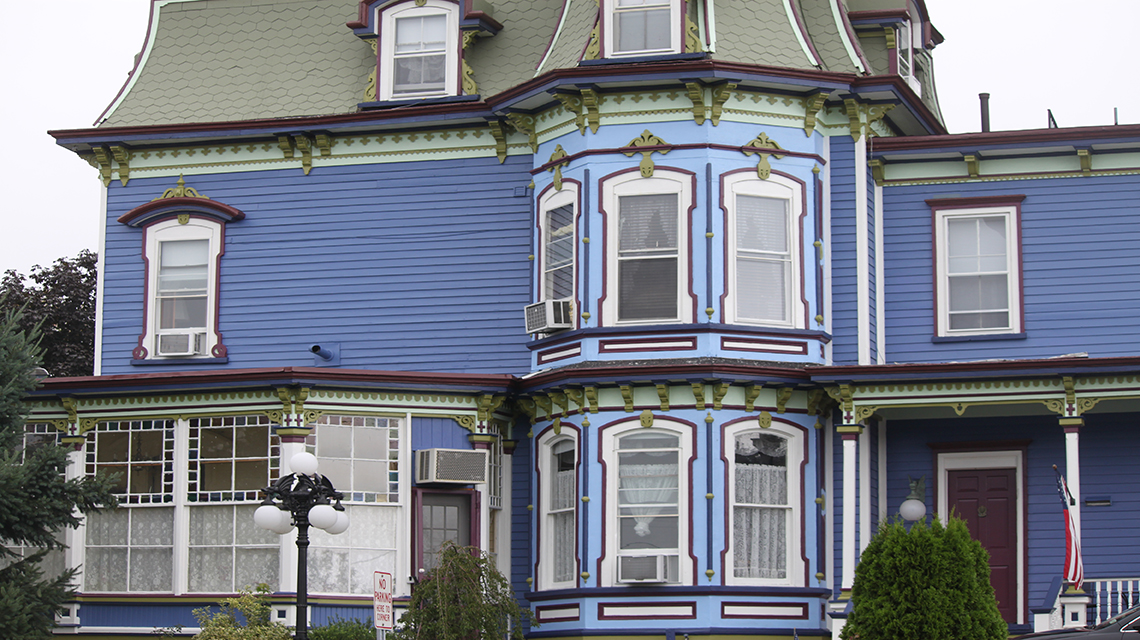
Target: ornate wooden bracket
627 396
325 143
663 394
306 147
751 392
573 104
467 74
577 397
875 114
1085 156
525 124
561 401
783 394
592 397
972 165
719 392
467 422
500 139
720 95
877 170
370 88
645 141
285 143
529 408
103 158
812 105
697 97
763 146
699 395
693 42
123 157
486 406
594 44
590 101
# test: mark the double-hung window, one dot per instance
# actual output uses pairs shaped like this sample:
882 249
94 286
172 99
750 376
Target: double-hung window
764 240
182 309
558 473
419 50
764 498
978 280
648 486
648 248
642 27
558 242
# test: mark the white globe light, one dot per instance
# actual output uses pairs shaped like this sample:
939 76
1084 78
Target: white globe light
284 523
322 516
267 516
912 510
341 524
303 463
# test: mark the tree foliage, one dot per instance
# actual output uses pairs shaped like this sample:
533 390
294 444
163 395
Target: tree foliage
36 502
246 617
60 300
929 583
464 598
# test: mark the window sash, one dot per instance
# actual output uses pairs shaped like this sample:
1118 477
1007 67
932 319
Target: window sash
419 57
763 266
648 257
977 273
642 26
558 257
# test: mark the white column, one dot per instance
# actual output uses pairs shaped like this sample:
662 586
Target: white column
864 489
291 445
862 254
181 509
850 433
75 539
1072 427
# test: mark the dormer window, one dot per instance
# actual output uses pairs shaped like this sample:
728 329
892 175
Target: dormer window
419 50
642 27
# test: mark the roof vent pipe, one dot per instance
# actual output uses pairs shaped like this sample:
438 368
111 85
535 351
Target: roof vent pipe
985 99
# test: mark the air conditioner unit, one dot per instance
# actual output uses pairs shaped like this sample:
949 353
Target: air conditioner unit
181 343
549 316
455 466
643 569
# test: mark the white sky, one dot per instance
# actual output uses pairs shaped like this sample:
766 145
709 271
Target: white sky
64 62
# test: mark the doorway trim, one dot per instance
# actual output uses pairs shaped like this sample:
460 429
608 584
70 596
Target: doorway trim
418 525
964 457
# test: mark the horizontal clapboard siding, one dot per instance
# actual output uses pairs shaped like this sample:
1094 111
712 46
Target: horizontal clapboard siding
409 266
1080 268
1110 536
844 280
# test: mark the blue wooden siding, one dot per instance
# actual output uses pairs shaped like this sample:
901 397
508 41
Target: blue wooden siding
844 281
146 617
522 537
321 615
418 266
872 270
442 433
1080 268
1110 539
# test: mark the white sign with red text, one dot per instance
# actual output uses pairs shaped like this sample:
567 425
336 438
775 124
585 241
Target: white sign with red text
382 599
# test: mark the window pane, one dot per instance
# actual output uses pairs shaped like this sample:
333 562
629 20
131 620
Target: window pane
760 543
251 474
146 445
419 73
647 223
211 525
761 224
647 289
559 255
370 443
112 447
370 475
217 443
761 289
642 29
182 313
216 476
978 293
563 548
146 478
334 442
251 442
648 486
105 569
211 569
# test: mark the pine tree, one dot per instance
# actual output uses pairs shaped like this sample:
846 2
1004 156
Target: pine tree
36 502
928 583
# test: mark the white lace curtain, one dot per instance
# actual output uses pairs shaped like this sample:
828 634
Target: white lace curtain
562 499
760 533
648 484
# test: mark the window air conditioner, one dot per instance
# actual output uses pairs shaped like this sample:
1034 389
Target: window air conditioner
182 343
549 316
457 466
643 569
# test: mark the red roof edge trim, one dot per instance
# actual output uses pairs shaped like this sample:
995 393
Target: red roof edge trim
146 213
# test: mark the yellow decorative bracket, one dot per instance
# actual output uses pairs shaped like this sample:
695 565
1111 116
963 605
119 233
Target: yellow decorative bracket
1086 404
783 394
1055 405
1085 156
889 34
467 74
467 422
500 140
646 139
544 405
103 157
590 102
525 124
123 157
306 147
697 97
646 418
875 114
594 44
972 165
529 408
370 88
751 392
693 42
763 146
720 95
627 396
324 143
854 123
180 191
487 405
812 106
719 392
286 145
560 400
699 395
556 157
573 104
592 397
877 171
577 397
866 411
1070 390
663 395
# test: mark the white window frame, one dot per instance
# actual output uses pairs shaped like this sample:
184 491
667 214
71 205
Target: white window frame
555 199
387 21
609 28
1013 261
547 551
797 445
173 230
778 187
632 184
609 448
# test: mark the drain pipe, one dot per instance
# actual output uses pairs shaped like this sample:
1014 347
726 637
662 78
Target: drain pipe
985 99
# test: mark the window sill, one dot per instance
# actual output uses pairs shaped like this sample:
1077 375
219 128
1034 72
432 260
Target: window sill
985 337
161 361
406 102
661 57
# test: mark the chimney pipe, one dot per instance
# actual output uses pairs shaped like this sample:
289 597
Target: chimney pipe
985 99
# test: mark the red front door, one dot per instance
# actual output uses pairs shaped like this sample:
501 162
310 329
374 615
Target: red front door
987 500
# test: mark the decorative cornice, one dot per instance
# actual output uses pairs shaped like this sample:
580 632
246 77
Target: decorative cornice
180 191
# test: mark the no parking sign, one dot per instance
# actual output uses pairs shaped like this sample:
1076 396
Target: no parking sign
382 599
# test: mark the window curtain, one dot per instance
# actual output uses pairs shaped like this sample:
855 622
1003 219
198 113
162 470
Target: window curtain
648 484
760 533
562 500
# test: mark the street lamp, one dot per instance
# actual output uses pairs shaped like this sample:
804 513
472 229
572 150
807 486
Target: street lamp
302 498
913 508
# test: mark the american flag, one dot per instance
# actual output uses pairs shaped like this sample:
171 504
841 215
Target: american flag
1074 567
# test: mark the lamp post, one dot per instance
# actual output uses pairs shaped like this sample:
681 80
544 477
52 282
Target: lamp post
913 508
302 498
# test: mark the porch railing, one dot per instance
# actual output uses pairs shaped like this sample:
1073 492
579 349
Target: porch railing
1110 596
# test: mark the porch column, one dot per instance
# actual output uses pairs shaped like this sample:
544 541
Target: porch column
1072 427
75 539
850 434
292 434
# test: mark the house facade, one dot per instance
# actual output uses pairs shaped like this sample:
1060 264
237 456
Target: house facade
653 258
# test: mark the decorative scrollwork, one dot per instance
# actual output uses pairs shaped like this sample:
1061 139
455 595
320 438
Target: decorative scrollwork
763 146
646 139
180 191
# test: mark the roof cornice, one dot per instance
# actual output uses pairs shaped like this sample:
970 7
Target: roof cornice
1047 367
1007 138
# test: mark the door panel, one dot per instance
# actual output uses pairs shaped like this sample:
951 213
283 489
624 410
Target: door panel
987 500
442 517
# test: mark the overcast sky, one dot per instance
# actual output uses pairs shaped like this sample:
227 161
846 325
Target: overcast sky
64 62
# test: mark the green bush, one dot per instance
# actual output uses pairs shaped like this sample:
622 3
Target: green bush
341 629
929 583
254 607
